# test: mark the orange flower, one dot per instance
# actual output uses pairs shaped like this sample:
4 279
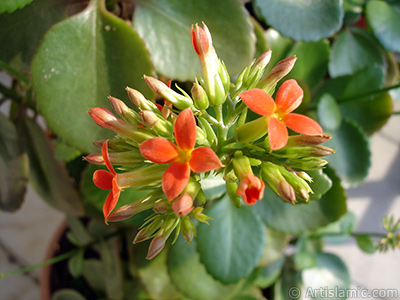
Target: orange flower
278 115
183 156
107 181
251 188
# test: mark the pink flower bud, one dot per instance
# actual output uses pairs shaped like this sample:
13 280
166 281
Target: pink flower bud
140 101
183 205
201 39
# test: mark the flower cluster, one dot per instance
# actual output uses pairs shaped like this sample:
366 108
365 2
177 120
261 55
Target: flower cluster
171 148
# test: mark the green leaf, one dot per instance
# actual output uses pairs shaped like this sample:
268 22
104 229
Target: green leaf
270 273
165 26
67 294
276 243
302 19
156 280
13 167
365 243
305 256
94 274
213 186
359 98
112 267
76 264
354 50
79 63
352 158
285 217
12 5
329 115
339 231
320 185
289 283
330 273
196 284
47 175
352 11
312 62
384 21
232 244
21 31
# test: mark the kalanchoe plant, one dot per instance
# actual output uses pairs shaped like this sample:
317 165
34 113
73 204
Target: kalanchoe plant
174 148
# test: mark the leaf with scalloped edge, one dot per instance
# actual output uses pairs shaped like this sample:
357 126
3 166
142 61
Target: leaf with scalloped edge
80 62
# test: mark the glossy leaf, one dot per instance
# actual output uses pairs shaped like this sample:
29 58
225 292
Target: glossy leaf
384 21
359 98
329 115
79 63
47 175
302 19
196 284
165 26
232 244
354 50
285 217
22 30
312 62
330 273
13 167
352 158
365 243
10 6
67 294
320 185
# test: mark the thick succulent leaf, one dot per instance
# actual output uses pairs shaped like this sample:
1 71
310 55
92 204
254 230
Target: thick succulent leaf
285 217
13 167
354 50
22 30
79 63
302 19
329 115
232 244
312 61
352 158
329 272
384 21
165 26
196 284
365 243
47 175
359 98
10 6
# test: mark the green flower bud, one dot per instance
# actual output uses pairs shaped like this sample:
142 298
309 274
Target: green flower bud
187 229
199 96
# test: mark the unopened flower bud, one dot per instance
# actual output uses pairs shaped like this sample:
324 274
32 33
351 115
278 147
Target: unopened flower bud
124 111
161 207
199 97
156 122
129 210
147 232
183 205
128 158
158 242
147 176
187 229
281 69
307 140
304 151
307 163
163 90
300 186
140 101
272 175
208 130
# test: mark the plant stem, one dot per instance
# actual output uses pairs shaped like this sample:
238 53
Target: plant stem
14 72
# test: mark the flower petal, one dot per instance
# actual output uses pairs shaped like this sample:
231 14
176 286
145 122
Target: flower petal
289 96
302 124
251 188
106 157
258 101
175 179
185 130
111 201
159 150
278 134
103 179
204 159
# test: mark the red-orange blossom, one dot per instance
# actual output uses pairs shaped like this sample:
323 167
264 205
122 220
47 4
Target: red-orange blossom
183 156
